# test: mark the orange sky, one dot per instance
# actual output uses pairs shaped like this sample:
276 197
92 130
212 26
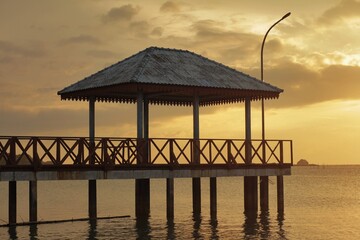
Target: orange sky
314 55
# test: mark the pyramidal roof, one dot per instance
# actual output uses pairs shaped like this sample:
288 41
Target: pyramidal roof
169 76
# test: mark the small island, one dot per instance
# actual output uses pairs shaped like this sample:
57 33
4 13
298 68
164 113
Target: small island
303 162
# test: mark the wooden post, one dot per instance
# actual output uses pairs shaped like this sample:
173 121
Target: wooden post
196 182
264 193
92 183
12 202
280 193
250 182
248 151
213 198
170 198
32 201
142 186
251 193
142 198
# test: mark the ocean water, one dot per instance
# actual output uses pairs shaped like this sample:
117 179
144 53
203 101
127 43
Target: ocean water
321 202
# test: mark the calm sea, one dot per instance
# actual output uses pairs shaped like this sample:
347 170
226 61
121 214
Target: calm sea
321 202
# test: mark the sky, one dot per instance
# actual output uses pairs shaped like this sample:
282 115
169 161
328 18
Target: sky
314 55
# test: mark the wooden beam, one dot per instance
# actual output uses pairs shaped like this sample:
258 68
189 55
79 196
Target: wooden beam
280 193
251 194
196 182
32 201
12 202
92 201
170 198
248 131
213 198
264 193
142 186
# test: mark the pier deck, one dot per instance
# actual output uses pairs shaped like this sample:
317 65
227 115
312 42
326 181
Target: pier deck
69 158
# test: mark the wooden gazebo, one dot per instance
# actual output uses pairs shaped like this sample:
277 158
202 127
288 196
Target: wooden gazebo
171 77
153 76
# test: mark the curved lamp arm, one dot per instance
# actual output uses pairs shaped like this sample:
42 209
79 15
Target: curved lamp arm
263 43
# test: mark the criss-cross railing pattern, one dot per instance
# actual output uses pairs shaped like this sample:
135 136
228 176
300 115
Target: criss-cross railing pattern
61 151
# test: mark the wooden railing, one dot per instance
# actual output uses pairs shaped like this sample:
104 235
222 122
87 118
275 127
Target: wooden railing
65 151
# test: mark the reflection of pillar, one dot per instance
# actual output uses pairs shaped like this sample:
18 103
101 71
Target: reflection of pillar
32 201
170 198
280 193
142 186
12 202
264 193
92 182
213 198
251 194
196 183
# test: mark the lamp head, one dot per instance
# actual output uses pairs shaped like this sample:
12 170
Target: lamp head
286 15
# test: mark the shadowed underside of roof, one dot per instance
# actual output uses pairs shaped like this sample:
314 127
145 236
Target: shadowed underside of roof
169 76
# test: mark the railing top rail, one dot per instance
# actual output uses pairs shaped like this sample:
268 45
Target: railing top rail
124 138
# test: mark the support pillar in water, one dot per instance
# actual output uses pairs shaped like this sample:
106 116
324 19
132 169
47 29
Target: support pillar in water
142 198
196 187
92 199
280 193
32 201
170 198
213 198
264 193
12 202
251 194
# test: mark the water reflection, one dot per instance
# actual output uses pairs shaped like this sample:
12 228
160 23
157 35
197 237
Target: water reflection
250 226
33 231
260 226
170 226
264 224
214 230
280 219
12 232
196 226
143 228
93 229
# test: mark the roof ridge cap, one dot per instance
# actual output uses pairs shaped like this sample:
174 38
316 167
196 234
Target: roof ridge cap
143 62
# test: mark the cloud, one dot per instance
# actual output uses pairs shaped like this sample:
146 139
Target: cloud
170 6
304 86
140 28
8 48
344 10
81 39
120 14
101 53
157 32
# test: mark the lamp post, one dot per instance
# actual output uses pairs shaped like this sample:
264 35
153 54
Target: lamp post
262 79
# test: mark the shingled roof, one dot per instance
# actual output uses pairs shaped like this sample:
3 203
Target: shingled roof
169 76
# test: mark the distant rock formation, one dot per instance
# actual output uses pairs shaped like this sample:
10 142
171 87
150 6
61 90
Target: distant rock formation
24 160
302 162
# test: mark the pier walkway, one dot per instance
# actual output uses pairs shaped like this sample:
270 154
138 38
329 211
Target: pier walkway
69 158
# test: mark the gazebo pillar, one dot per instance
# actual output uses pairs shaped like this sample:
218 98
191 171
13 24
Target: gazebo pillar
92 182
142 186
196 183
250 182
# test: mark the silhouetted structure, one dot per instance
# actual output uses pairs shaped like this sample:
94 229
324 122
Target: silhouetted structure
153 76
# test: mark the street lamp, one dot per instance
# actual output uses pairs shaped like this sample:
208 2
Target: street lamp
262 79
